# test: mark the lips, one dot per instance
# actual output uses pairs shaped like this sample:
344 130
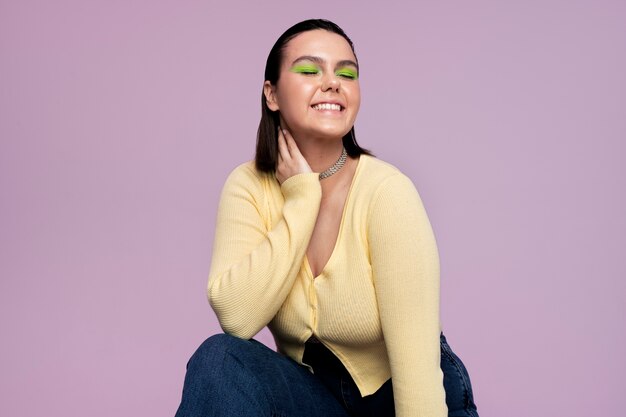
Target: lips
328 106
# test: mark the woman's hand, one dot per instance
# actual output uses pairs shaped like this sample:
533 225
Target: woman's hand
290 160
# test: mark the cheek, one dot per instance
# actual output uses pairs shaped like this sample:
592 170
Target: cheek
355 99
295 98
354 93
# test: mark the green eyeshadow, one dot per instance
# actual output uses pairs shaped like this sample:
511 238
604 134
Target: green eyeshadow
348 73
305 69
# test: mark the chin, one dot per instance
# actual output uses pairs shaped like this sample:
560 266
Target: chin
329 137
332 132
328 132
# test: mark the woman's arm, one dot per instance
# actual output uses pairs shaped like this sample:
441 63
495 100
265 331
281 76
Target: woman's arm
253 270
405 265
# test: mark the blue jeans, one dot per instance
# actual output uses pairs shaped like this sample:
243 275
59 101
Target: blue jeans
228 376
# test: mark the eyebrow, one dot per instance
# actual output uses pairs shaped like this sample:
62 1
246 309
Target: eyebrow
318 60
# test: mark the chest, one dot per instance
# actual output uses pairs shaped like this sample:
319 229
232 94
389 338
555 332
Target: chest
326 231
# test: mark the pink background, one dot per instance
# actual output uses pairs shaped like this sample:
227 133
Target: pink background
119 121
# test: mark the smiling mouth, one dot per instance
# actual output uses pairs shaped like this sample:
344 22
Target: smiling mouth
328 106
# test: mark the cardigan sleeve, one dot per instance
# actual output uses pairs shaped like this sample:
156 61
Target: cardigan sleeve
253 269
405 267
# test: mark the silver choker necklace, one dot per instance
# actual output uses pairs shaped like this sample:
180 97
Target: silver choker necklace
336 166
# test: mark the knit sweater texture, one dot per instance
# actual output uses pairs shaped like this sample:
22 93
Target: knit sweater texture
375 304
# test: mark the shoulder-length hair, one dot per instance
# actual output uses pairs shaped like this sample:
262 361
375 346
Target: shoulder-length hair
266 157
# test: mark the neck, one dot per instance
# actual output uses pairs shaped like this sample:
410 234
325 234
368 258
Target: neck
321 154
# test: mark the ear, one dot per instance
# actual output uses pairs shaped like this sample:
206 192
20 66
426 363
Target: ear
270 96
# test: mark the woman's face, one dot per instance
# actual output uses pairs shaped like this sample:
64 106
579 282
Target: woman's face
318 92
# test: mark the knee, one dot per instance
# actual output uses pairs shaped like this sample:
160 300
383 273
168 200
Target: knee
226 361
221 341
213 351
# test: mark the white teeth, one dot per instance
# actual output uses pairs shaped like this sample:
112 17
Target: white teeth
327 106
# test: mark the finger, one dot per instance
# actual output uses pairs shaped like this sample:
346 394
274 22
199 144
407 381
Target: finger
282 145
292 146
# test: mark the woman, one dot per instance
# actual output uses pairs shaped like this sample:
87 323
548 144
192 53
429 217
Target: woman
331 249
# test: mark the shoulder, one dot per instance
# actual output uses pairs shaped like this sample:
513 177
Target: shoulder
246 173
245 170
246 179
389 193
394 206
381 177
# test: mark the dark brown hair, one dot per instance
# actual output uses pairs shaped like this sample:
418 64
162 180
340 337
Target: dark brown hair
267 135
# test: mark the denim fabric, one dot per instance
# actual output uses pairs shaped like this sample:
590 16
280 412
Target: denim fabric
232 377
456 381
330 370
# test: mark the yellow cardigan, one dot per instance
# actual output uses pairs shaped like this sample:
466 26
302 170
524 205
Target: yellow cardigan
375 304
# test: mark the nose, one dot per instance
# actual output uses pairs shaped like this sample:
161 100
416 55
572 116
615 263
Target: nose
331 82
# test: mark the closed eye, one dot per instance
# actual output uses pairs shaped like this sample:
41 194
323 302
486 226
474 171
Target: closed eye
347 73
305 69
